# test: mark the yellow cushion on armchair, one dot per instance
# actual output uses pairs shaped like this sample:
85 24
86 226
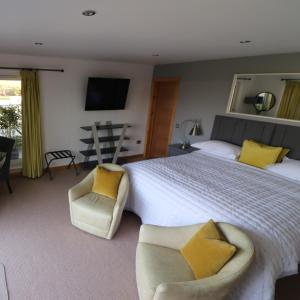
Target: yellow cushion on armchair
107 182
206 253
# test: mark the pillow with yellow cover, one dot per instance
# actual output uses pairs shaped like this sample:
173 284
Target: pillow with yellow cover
259 155
207 251
107 182
282 154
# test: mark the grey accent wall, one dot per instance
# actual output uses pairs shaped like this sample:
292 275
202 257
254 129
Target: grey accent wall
205 85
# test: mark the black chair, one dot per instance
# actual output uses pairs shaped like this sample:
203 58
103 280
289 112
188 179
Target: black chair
6 145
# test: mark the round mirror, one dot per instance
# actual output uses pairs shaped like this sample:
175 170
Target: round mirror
265 101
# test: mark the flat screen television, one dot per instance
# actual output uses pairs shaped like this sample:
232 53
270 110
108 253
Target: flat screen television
106 93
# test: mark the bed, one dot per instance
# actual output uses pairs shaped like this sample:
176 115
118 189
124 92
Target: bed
192 188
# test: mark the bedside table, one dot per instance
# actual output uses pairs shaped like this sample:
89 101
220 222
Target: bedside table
174 149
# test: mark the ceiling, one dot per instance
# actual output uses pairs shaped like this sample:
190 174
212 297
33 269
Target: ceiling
134 30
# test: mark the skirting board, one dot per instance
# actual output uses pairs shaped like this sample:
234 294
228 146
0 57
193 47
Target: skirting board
121 160
3 285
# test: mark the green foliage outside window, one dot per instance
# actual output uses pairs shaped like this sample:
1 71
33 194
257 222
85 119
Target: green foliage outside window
10 120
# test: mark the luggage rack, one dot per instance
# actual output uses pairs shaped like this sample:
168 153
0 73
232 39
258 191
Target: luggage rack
60 154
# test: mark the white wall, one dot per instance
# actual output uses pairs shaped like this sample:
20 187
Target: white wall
63 99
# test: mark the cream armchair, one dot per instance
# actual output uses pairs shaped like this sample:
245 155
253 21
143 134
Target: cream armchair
96 214
163 274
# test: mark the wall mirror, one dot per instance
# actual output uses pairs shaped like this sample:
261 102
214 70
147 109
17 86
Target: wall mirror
266 95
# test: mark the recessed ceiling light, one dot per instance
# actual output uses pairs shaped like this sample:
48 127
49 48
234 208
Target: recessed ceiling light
89 12
155 54
38 43
245 42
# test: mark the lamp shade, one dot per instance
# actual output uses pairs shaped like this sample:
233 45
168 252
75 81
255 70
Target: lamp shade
196 130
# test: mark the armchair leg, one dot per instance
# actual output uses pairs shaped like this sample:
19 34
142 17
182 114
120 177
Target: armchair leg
8 186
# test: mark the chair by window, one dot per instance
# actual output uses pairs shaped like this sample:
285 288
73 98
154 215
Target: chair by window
96 214
6 146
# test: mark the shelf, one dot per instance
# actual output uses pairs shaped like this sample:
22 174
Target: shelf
103 139
104 127
93 163
109 150
96 139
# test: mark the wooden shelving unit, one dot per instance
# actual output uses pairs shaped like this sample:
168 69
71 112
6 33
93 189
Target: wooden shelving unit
94 143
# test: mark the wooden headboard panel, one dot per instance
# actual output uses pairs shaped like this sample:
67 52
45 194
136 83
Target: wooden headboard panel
236 130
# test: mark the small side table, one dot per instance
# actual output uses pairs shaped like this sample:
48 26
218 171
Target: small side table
175 149
61 154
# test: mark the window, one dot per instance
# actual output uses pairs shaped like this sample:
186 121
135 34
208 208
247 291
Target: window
10 116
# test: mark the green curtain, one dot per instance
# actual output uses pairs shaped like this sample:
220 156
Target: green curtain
32 158
290 102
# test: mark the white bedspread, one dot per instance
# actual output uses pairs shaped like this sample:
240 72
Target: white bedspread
192 188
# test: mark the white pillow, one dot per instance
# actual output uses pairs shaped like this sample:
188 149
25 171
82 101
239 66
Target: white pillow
220 148
289 168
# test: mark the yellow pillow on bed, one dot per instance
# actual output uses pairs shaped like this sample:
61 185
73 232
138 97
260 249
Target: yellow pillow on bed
206 252
259 155
107 182
282 154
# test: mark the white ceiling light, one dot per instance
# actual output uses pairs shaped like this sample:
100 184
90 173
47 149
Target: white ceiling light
89 13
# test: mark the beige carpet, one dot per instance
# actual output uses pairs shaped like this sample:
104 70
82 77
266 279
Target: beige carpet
3 287
46 258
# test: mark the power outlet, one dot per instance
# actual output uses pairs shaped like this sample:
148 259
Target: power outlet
177 125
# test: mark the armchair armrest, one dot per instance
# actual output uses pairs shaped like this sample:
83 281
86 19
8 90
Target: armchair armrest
82 188
215 287
119 205
123 191
171 237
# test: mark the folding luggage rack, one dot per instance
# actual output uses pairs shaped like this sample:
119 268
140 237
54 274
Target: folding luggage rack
61 154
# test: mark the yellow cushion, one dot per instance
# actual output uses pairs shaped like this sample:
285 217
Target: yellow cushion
259 155
206 253
107 182
210 231
282 154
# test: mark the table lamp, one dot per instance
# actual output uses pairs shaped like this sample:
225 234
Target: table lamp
195 131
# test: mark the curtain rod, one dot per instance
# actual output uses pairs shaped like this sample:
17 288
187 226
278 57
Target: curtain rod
32 69
289 79
244 78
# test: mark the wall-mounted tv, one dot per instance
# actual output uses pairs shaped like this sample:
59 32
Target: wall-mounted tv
106 93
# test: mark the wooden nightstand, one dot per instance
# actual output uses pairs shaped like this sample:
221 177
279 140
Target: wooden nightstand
174 149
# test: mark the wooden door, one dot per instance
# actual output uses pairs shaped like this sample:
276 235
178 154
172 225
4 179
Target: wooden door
161 116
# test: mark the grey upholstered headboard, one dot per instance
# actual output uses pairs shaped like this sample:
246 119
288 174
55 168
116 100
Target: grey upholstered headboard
236 130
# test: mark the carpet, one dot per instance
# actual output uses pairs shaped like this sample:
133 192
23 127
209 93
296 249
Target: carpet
3 287
46 258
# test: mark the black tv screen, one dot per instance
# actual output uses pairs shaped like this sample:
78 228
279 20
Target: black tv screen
106 93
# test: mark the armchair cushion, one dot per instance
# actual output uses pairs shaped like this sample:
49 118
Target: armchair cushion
158 264
94 210
107 182
209 231
205 252
206 256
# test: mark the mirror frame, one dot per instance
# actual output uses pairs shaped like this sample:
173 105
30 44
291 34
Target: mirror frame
243 115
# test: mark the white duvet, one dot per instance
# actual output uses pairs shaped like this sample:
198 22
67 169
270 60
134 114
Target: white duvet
192 188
